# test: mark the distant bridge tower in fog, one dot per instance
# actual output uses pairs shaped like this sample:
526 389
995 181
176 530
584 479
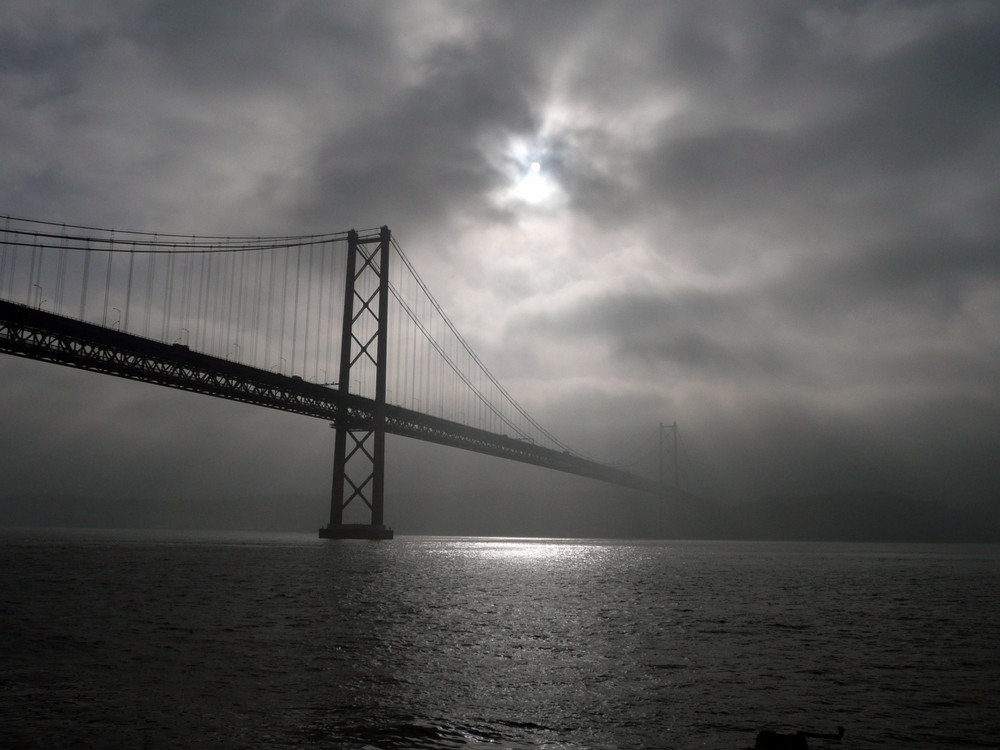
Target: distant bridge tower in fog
672 429
267 321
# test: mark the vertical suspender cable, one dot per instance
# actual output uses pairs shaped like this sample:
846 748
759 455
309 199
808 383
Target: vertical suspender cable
305 341
323 342
107 281
86 279
199 319
269 307
3 255
61 271
295 312
38 281
284 299
240 286
228 287
207 340
31 272
186 283
168 298
128 288
259 257
150 275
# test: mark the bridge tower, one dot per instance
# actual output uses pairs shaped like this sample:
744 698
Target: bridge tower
359 446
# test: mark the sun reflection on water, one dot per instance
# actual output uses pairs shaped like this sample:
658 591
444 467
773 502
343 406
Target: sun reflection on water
515 549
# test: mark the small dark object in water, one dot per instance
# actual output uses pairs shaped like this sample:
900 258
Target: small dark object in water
768 740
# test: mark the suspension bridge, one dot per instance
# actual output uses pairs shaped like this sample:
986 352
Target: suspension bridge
303 324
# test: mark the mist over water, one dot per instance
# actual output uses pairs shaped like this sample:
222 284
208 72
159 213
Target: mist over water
157 639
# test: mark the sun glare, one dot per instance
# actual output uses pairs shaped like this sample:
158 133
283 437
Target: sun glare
535 187
532 182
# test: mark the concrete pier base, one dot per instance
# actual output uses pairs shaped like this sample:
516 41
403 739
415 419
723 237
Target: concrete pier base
355 531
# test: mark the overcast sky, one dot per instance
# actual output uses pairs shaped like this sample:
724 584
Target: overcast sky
773 222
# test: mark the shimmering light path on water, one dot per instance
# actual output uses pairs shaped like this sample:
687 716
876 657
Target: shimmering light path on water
143 639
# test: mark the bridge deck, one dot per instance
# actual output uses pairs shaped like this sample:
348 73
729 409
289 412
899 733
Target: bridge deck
36 334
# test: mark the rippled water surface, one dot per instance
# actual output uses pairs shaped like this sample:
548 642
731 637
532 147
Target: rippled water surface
133 639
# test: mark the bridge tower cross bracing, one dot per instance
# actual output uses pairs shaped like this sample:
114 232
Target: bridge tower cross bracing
359 445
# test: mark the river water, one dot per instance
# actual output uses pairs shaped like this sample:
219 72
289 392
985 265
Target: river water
174 639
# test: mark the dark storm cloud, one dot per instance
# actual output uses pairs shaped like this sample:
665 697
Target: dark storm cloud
422 156
786 126
230 47
775 222
697 332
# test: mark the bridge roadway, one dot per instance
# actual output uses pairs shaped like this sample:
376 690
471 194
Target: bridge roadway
37 334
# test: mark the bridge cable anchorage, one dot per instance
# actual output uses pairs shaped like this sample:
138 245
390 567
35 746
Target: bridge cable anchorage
277 313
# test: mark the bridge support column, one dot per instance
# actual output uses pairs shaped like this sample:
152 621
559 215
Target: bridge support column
359 446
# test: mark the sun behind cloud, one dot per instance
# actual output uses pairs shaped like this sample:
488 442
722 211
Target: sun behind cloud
530 183
536 187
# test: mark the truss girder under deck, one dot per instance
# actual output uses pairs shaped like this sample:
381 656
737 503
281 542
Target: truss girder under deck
35 334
